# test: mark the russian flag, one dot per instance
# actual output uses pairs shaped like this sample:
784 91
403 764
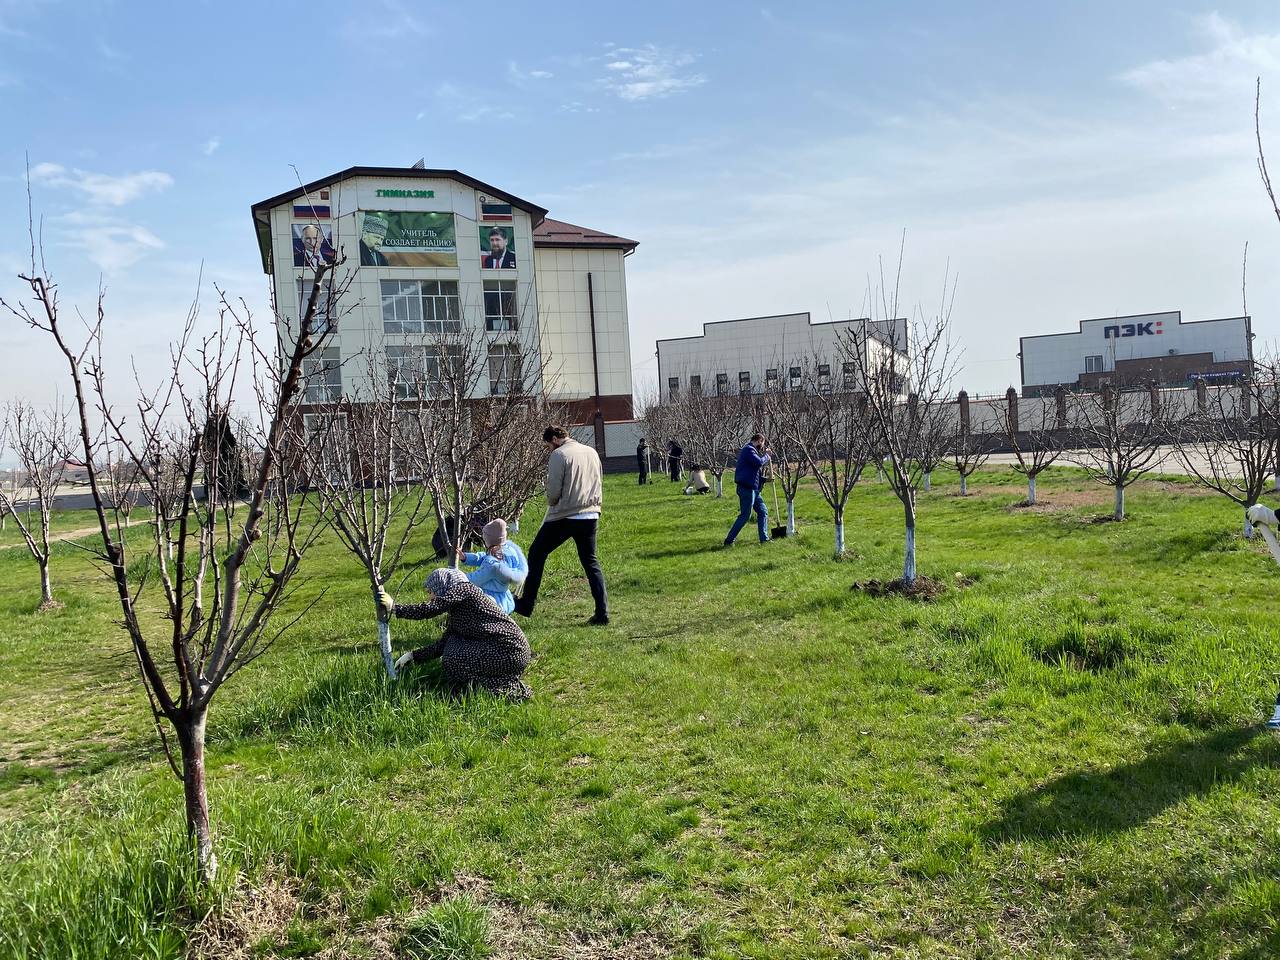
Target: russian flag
310 211
495 212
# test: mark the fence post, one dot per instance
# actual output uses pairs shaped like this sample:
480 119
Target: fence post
1153 391
1060 406
963 397
1202 395
1011 400
1246 400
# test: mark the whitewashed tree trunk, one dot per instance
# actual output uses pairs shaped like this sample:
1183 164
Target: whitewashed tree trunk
1119 512
791 517
195 794
909 555
1248 527
964 485
384 644
46 589
927 484
719 485
839 533
1031 489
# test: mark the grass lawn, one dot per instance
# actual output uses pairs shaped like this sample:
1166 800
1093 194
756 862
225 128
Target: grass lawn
1060 757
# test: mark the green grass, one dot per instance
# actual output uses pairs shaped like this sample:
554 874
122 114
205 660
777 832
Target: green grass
1062 758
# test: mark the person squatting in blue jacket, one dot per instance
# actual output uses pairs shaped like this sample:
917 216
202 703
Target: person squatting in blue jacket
500 568
747 477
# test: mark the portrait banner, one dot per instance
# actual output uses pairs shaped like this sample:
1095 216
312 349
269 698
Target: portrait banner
497 247
407 238
312 244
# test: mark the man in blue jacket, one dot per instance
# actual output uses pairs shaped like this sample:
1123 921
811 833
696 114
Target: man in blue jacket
747 477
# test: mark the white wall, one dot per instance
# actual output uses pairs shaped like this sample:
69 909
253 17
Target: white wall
564 318
1059 358
754 345
360 325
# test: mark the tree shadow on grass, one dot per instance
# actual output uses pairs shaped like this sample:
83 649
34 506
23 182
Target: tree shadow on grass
1110 801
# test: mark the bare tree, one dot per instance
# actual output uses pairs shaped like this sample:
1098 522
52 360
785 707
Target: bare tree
1122 431
712 427
1035 443
793 432
966 450
474 394
219 568
1231 446
42 442
906 393
361 459
829 428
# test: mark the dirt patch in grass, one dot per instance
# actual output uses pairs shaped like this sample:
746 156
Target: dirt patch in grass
272 915
923 588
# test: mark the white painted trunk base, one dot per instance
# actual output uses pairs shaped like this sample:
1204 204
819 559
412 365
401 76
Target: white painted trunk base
384 643
909 556
791 517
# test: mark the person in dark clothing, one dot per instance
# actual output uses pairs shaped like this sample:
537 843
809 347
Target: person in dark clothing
747 477
642 461
481 646
674 453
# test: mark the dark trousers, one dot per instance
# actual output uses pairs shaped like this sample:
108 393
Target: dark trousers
644 470
674 463
550 536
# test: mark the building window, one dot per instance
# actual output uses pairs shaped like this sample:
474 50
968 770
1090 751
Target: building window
324 320
850 371
824 378
1093 364
695 384
794 375
673 388
499 305
504 369
771 378
322 373
722 384
325 433
420 306
744 381
411 368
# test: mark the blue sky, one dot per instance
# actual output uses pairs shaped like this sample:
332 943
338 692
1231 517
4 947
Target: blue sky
1083 161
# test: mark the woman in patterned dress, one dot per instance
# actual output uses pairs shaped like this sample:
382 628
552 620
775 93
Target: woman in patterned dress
481 645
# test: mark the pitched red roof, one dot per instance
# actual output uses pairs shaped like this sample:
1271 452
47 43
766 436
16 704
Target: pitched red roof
557 233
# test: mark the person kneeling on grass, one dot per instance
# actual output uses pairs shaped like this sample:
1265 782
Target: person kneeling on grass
481 646
697 480
500 568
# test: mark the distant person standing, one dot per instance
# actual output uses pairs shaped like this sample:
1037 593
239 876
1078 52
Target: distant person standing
642 461
747 477
574 499
674 453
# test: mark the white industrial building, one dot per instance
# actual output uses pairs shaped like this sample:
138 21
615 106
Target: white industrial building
424 252
760 353
1157 347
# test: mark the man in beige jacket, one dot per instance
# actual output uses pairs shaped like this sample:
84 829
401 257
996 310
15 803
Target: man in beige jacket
574 498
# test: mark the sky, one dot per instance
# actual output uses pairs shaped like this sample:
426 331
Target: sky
1088 160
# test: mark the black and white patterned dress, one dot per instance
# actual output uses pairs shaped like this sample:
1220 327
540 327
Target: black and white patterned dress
481 646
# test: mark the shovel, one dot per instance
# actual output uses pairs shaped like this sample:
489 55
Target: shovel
776 533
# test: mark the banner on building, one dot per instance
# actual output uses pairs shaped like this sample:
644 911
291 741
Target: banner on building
407 238
312 244
497 247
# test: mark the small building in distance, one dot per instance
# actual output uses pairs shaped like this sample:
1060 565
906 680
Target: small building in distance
1148 347
764 353
426 252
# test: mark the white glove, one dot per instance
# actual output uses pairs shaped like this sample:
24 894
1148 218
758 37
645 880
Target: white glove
1260 515
405 660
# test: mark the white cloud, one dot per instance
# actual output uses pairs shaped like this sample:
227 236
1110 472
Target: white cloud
468 107
395 21
211 145
108 242
648 72
520 77
1224 72
102 188
110 53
